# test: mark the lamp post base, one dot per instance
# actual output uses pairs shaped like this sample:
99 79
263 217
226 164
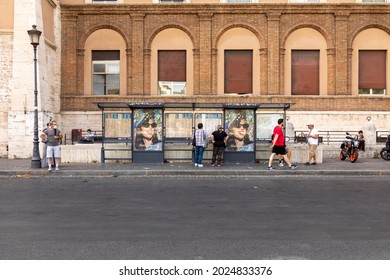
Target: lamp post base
36 164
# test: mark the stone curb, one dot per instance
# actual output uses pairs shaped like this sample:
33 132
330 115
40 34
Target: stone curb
146 173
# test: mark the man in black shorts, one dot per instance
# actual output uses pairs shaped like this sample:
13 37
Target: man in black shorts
278 146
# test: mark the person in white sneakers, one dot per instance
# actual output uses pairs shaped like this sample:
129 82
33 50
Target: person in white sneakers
200 138
278 146
52 136
280 157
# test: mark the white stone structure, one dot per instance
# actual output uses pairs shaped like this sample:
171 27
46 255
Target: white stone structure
17 79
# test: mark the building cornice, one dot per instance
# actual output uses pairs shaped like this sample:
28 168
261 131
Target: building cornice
255 8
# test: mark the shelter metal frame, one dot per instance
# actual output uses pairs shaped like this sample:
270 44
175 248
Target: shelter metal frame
172 105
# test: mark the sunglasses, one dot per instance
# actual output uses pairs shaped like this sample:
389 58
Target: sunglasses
244 125
147 124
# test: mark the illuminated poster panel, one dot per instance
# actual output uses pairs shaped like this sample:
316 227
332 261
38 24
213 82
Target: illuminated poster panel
239 125
147 130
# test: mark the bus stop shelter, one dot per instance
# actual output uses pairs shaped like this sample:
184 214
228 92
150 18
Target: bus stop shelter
155 132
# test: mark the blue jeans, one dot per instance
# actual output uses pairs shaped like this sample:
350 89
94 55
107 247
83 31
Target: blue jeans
199 154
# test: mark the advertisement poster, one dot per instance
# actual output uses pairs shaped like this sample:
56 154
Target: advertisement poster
210 121
148 130
239 125
178 125
265 125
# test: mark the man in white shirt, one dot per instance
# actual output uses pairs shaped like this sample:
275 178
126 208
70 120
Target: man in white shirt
312 140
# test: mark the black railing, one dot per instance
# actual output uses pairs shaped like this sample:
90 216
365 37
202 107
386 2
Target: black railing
324 136
77 134
116 140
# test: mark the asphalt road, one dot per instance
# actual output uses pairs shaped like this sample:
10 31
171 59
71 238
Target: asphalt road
195 218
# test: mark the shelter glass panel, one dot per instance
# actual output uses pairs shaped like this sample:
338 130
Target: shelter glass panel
265 124
210 121
178 125
117 125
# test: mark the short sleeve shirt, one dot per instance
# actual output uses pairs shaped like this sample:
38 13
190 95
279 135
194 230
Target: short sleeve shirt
200 136
50 136
279 131
219 138
313 141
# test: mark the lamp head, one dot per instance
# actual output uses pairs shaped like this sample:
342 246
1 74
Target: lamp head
34 36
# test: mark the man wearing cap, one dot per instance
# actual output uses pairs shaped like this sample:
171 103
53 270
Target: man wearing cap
312 140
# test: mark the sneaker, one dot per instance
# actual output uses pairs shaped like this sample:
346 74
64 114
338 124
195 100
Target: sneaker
200 165
57 168
294 166
196 164
49 168
307 163
314 163
219 165
281 163
271 168
212 164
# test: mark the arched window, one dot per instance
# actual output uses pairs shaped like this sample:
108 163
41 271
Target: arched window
370 61
172 63
238 62
305 63
105 63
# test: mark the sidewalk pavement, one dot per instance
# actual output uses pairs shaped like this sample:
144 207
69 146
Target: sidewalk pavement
330 167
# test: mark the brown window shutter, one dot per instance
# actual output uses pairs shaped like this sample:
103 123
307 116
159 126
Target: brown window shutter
172 66
238 71
372 69
305 72
105 55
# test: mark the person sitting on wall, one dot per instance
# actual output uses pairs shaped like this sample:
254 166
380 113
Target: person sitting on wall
89 138
362 142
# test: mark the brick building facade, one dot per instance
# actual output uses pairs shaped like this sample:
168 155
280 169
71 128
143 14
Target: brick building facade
271 24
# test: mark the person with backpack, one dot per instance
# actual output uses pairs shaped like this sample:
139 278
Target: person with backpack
200 138
52 136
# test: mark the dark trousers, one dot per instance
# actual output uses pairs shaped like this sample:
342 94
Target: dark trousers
362 145
217 154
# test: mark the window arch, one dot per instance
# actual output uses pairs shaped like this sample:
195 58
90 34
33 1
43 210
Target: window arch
236 47
105 68
371 44
171 55
305 51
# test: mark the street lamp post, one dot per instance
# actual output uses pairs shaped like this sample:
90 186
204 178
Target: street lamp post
34 38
